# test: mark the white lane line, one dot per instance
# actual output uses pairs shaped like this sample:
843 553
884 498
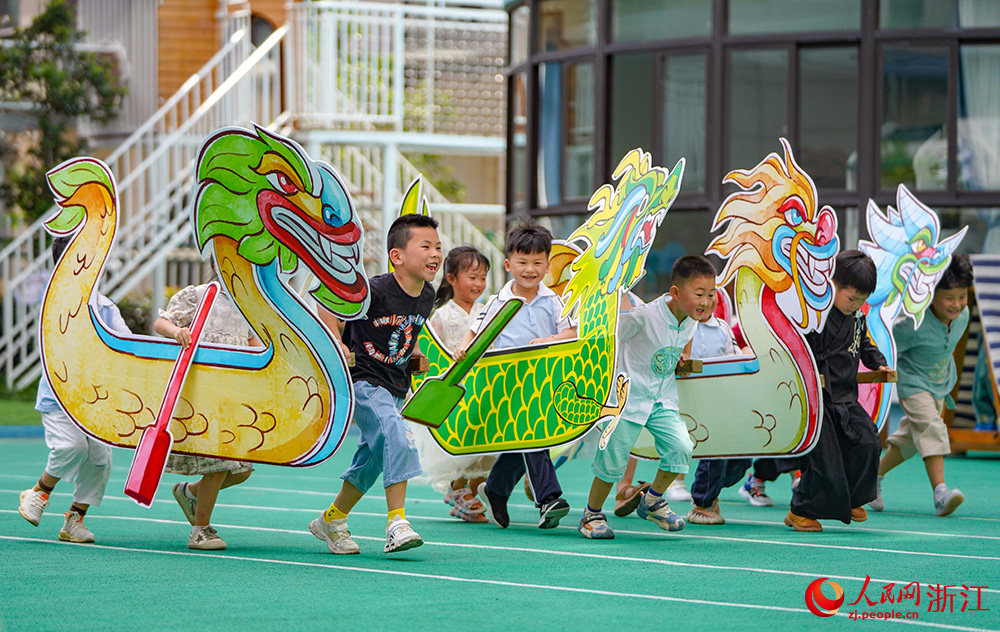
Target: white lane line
486 547
476 580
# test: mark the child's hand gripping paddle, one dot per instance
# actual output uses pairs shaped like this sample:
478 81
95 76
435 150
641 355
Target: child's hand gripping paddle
438 396
154 446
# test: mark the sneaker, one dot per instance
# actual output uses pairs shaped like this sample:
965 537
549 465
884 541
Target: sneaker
400 537
464 500
32 505
335 534
706 515
496 507
878 504
947 500
461 515
659 512
595 526
677 492
753 490
552 512
205 539
858 514
74 530
800 523
188 506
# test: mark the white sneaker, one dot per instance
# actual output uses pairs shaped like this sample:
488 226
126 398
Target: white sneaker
205 539
946 501
32 505
754 491
188 506
74 529
677 492
335 534
878 504
400 537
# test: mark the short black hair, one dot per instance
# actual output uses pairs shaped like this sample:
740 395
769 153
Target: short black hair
957 274
855 270
689 267
528 237
58 246
401 230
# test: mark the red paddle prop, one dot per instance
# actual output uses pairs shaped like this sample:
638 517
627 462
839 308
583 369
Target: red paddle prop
154 446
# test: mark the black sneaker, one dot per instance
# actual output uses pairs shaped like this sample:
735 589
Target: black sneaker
496 507
552 512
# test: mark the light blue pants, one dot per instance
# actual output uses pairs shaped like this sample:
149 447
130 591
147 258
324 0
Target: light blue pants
386 445
671 438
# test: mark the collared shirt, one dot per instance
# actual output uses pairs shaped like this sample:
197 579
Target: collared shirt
538 319
712 339
45 401
924 356
650 341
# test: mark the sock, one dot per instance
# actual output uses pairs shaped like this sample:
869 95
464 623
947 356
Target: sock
42 486
78 509
401 513
652 496
591 510
334 514
187 492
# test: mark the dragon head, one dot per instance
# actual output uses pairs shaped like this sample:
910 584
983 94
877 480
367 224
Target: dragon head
620 232
906 251
263 191
774 227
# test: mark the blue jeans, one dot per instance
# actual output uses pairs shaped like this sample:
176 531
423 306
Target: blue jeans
386 445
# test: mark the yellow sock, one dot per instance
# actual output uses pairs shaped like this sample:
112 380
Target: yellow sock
334 514
397 512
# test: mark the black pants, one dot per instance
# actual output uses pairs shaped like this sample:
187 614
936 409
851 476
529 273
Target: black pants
713 475
511 466
841 472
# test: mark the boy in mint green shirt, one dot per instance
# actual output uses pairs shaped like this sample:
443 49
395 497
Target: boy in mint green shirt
926 376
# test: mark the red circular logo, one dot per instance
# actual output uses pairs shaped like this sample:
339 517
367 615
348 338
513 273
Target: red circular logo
818 604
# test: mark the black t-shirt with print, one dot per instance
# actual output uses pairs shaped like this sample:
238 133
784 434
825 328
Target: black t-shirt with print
385 338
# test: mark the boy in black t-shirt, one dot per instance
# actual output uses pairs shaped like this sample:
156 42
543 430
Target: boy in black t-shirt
382 343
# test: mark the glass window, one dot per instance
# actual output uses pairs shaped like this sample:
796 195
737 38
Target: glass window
757 105
520 35
579 176
682 233
918 14
550 116
979 118
828 116
642 20
684 117
566 24
565 132
631 105
983 236
784 16
519 138
915 108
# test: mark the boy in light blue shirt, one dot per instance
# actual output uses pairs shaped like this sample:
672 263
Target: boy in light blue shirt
651 339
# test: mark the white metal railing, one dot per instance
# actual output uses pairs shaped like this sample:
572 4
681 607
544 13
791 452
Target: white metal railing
154 168
434 68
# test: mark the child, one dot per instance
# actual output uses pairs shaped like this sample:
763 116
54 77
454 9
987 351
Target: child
839 474
225 325
72 454
383 342
465 270
527 259
651 339
926 376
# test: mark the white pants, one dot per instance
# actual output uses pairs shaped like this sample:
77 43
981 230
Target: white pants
72 454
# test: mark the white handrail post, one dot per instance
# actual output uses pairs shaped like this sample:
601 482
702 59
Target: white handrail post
390 169
398 68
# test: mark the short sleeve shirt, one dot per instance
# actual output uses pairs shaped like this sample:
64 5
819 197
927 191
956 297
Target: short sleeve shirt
540 318
924 356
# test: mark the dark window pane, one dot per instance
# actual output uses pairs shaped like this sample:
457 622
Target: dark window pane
579 176
828 118
979 118
565 132
519 121
642 20
757 105
783 16
918 14
550 116
681 233
631 105
565 24
914 142
684 117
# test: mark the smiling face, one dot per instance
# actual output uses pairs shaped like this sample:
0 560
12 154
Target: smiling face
421 257
947 305
469 283
528 269
848 300
694 297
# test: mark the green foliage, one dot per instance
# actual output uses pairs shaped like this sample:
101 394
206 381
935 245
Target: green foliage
441 176
43 66
137 311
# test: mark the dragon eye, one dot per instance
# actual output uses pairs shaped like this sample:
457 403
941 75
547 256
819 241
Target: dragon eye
918 246
792 210
282 182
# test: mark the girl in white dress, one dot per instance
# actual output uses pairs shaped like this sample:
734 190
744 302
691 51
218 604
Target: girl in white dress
465 270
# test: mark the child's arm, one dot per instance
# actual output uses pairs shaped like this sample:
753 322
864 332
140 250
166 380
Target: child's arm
335 326
871 357
166 328
464 344
565 334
